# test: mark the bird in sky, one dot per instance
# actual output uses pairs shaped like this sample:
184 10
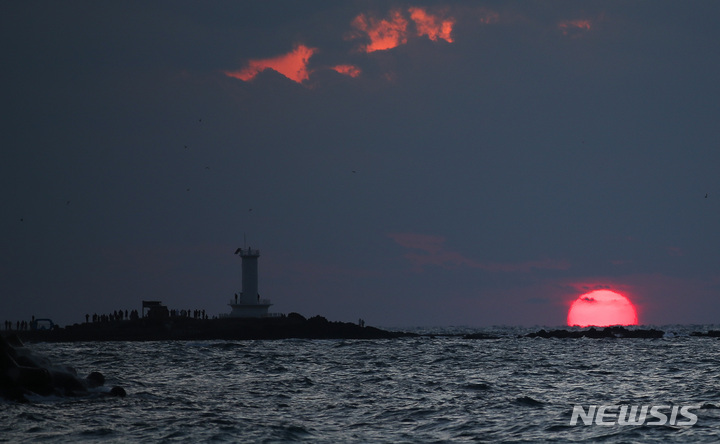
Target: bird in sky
706 195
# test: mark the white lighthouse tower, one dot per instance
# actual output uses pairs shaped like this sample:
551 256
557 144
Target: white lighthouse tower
248 304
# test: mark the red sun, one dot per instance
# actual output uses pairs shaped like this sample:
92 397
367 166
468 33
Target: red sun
602 308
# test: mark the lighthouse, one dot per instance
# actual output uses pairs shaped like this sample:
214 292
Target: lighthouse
248 303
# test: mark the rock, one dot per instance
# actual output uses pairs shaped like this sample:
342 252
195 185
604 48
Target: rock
95 379
23 373
118 391
607 332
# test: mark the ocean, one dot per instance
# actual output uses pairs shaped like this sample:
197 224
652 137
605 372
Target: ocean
440 388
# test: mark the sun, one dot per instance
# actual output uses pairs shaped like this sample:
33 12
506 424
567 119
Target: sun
601 308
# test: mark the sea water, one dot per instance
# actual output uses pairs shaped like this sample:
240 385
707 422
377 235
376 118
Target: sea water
422 389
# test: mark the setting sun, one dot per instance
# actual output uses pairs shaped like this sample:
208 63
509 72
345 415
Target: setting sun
602 308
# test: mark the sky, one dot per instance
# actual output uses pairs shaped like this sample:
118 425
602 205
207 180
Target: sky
419 163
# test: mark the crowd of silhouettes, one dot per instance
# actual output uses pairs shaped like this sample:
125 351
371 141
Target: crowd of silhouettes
195 314
120 315
19 325
117 315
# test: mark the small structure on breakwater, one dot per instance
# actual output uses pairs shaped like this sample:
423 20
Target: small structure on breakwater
248 303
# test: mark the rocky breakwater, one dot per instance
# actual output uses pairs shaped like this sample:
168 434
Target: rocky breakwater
293 325
607 332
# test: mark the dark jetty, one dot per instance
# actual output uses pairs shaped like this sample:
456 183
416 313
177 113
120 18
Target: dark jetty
23 373
607 332
708 334
171 328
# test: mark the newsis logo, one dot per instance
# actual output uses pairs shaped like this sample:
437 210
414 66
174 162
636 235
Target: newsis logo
608 415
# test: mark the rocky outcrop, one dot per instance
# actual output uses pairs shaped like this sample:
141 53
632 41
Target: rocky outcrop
607 332
23 372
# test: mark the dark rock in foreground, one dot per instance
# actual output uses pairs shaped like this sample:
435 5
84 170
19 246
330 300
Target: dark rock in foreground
607 332
291 326
23 373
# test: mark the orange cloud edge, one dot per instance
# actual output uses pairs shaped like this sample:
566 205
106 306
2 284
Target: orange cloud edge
384 34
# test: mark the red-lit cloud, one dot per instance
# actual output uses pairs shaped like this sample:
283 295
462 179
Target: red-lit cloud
487 16
393 31
348 70
430 250
431 25
292 65
433 252
383 34
573 28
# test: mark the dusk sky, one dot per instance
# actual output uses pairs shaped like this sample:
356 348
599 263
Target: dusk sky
424 163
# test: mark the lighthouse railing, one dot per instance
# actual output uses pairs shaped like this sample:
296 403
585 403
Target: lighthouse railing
260 302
